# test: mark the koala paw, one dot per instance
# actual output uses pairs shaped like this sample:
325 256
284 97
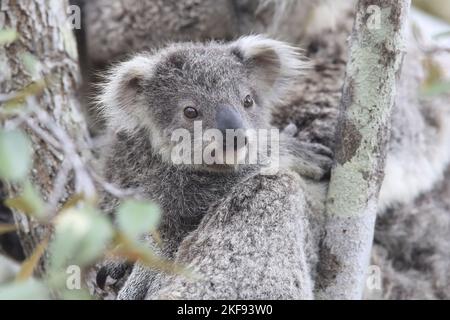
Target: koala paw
290 130
318 149
310 160
316 161
115 269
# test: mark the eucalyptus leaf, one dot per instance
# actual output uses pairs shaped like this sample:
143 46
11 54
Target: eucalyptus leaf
29 202
29 290
438 88
68 285
441 35
31 64
138 217
81 294
15 155
81 236
8 36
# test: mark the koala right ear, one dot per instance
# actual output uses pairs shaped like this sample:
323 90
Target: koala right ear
120 100
274 66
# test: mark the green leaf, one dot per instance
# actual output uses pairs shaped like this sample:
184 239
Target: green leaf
441 35
434 72
67 288
435 83
82 294
437 89
30 63
29 202
81 237
29 290
8 36
15 155
138 217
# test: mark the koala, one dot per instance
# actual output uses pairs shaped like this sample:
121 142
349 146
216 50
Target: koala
256 243
410 245
418 151
227 86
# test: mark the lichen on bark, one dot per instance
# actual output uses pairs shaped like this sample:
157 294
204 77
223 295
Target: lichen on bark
376 51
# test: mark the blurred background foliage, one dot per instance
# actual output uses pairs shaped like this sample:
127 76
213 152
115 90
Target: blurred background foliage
436 82
81 235
438 8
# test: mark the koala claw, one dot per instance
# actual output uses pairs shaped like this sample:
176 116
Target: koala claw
311 160
319 149
324 164
116 269
291 130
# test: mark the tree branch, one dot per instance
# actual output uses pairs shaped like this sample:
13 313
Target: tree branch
376 52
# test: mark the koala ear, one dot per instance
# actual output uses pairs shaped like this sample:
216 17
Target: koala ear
274 66
120 100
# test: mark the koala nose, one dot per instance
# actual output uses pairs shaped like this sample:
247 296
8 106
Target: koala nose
229 119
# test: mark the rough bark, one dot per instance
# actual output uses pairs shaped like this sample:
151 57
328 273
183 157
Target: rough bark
45 32
368 96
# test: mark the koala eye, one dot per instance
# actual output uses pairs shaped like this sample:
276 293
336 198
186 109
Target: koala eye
248 101
190 113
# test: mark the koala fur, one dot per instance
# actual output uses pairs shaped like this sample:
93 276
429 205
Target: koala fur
142 113
261 226
411 239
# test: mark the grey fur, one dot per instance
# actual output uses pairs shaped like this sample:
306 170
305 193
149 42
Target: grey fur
142 112
262 230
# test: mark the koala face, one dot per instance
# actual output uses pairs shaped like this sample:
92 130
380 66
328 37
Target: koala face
219 89
207 88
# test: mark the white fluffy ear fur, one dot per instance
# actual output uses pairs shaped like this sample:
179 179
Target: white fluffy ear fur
120 91
274 66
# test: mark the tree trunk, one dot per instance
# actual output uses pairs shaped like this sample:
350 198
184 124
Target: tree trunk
369 91
45 32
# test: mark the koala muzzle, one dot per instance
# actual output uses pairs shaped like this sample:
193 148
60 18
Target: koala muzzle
230 123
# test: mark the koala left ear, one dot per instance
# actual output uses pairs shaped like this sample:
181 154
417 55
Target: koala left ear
274 66
119 101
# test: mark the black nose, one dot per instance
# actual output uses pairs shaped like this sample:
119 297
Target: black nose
229 119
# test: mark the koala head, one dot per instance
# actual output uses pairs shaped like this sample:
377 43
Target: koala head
213 86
